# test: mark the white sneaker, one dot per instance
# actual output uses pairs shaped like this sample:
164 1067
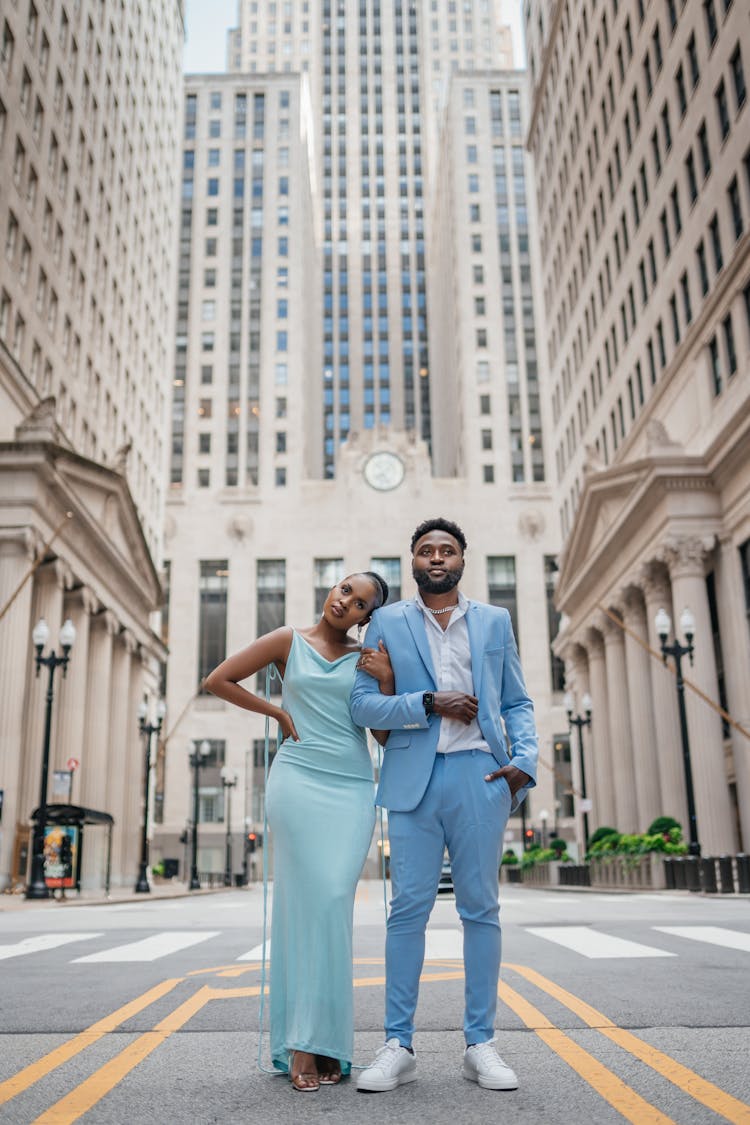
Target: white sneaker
392 1066
482 1064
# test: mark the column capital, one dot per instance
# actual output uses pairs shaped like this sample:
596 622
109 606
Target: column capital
593 637
108 622
85 597
685 556
129 640
653 578
19 540
610 630
632 604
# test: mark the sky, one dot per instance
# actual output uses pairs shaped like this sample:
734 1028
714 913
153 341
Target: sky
208 21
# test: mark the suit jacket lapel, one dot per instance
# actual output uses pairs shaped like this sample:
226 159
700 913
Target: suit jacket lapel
475 626
417 626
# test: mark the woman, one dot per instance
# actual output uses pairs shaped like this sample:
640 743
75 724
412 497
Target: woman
321 812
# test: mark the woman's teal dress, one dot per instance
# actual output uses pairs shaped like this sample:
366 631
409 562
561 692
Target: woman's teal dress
321 814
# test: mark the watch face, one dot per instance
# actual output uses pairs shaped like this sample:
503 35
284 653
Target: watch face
384 471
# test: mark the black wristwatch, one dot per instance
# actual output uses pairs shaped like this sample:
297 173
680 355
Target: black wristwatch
428 702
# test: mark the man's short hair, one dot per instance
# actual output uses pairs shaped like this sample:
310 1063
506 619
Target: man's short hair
439 524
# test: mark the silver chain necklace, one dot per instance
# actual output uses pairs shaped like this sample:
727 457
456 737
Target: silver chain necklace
447 609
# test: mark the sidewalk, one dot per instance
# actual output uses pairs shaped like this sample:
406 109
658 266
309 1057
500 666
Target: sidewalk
16 901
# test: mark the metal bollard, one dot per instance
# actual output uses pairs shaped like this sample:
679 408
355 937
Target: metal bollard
692 872
743 873
726 874
708 875
669 873
680 876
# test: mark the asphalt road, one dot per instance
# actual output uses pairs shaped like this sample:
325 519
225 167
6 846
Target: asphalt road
612 1008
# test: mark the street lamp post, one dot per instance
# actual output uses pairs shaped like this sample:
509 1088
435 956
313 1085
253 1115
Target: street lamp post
677 651
581 721
228 780
37 886
544 817
148 730
200 753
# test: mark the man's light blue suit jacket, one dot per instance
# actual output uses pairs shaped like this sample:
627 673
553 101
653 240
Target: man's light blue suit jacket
498 684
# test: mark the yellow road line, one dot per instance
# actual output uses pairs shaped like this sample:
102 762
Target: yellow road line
102 1081
607 1084
681 1076
32 1073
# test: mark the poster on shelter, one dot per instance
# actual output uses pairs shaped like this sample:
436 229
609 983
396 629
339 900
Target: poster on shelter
60 855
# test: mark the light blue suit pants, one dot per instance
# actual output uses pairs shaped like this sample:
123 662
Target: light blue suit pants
466 814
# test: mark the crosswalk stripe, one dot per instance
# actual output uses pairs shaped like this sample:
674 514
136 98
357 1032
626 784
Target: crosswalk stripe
256 953
590 943
713 935
41 944
150 948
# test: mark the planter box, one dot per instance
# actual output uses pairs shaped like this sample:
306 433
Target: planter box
511 873
641 873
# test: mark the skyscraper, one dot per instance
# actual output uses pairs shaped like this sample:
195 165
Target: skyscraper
639 133
320 413
89 106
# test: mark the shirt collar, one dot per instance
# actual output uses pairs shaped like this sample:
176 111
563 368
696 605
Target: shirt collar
463 605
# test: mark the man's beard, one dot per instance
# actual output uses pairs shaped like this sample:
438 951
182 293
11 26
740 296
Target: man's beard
428 585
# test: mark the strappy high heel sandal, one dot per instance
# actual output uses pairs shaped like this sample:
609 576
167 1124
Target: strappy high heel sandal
304 1081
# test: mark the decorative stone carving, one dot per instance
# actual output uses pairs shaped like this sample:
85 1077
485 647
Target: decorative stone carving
240 528
686 556
40 423
531 524
657 438
593 462
120 459
653 578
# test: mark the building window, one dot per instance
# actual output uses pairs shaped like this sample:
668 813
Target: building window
390 570
557 666
712 29
735 205
713 353
488 474
744 551
729 346
212 616
501 585
270 607
722 109
738 77
716 243
327 573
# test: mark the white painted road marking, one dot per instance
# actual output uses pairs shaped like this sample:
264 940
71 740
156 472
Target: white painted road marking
713 935
150 948
590 943
41 944
256 954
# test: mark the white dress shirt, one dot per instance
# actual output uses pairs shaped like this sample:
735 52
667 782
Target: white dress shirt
451 660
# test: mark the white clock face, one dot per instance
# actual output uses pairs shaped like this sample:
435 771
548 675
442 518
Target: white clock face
384 471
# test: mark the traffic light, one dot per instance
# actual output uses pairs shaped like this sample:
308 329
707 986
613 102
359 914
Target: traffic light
252 840
528 838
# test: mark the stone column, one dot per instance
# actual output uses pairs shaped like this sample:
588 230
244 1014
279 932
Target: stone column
16 668
79 606
637 659
47 602
95 788
601 778
686 561
620 741
654 581
733 630
120 750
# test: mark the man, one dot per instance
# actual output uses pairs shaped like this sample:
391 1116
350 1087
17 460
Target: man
447 781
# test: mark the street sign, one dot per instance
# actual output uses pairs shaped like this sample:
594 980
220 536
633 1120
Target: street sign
585 804
72 763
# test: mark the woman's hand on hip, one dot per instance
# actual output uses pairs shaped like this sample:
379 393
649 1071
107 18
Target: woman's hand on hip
288 729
